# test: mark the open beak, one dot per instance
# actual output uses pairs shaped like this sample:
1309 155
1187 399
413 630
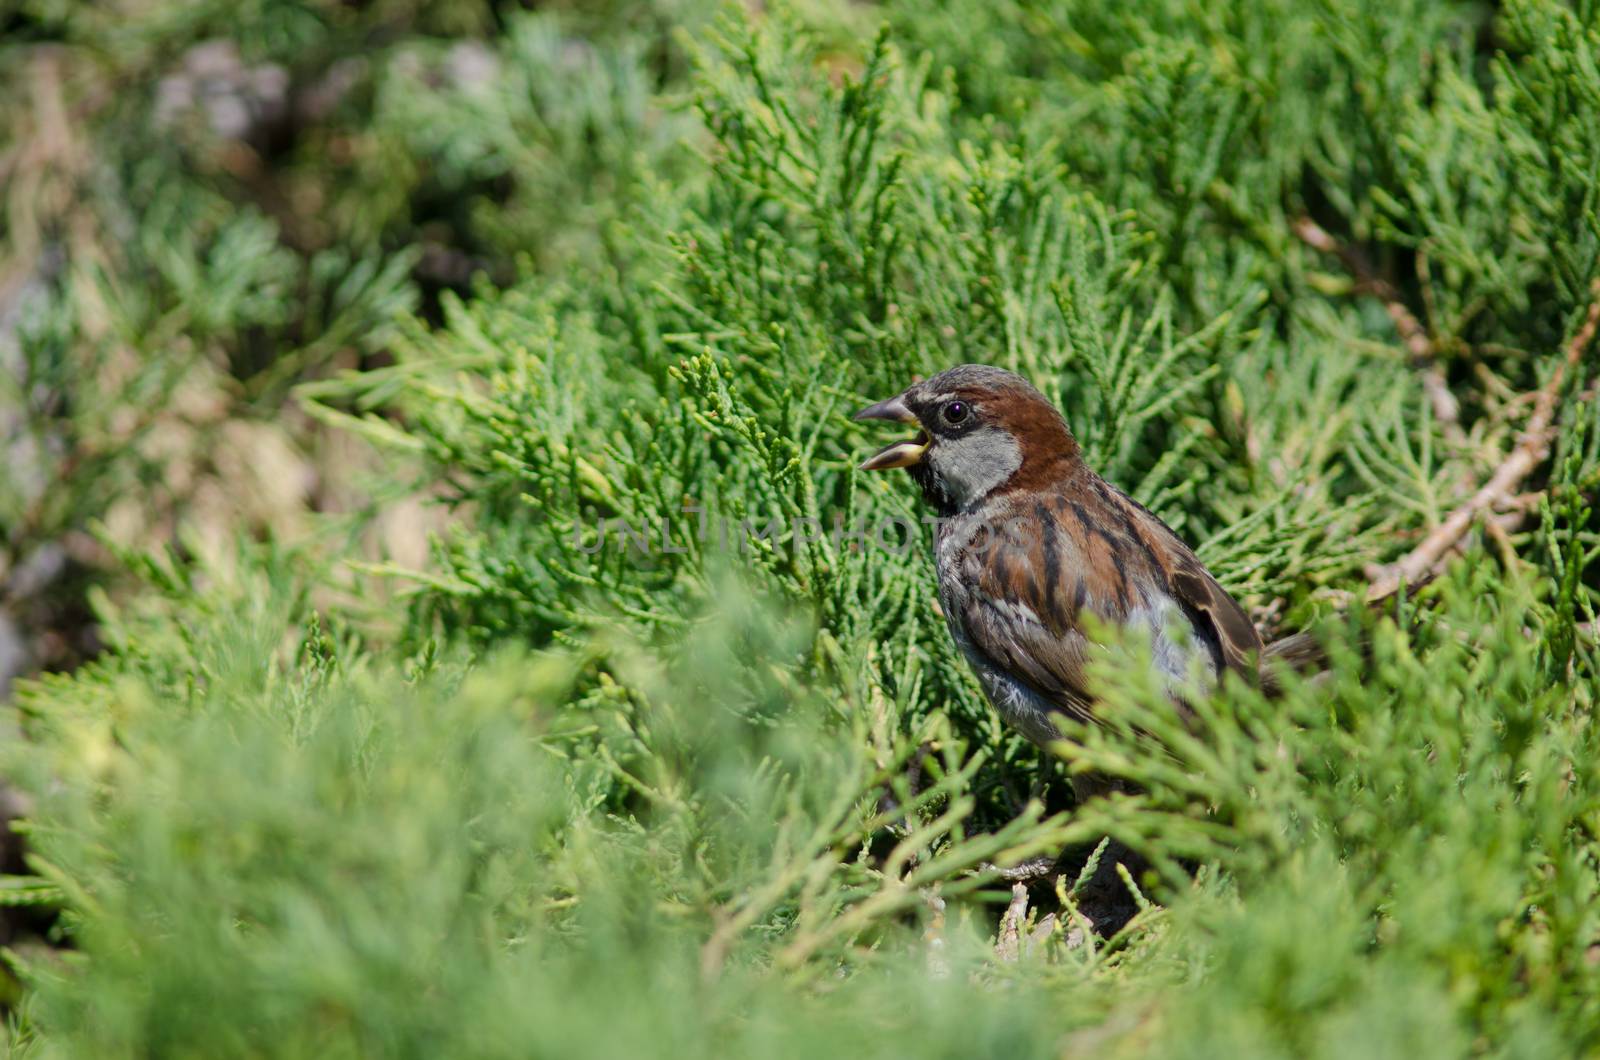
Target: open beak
900 454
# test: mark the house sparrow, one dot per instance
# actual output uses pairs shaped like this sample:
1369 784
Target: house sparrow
1031 540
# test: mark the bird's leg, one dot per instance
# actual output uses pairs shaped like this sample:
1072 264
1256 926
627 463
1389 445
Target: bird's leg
1101 896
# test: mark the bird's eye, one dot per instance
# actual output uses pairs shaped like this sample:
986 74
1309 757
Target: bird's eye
954 412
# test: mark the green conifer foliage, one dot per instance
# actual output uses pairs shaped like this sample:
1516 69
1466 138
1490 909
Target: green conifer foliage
660 746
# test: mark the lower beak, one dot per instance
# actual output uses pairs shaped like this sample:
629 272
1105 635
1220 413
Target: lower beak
900 454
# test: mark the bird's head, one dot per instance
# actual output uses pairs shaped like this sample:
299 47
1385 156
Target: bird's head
982 430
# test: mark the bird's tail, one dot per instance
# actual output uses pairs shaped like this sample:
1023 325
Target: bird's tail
1299 652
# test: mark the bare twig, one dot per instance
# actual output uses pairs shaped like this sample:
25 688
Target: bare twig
938 959
1039 868
1008 940
1446 410
1531 447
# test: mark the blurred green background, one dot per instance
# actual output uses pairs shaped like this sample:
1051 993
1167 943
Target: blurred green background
331 332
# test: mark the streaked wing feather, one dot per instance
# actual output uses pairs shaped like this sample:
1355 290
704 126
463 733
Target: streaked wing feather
1217 617
1210 608
1092 550
1048 661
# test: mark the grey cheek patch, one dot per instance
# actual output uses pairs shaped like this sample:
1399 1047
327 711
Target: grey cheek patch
974 464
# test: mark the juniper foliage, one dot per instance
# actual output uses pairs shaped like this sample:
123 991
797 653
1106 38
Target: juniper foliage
667 749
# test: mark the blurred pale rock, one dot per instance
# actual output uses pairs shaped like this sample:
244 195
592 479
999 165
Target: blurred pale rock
235 99
13 654
471 65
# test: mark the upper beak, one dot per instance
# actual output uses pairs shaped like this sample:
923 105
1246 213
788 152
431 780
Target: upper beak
900 454
893 409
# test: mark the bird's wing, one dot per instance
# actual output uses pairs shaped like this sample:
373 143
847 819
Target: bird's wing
1217 618
1092 549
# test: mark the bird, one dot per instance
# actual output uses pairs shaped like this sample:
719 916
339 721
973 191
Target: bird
1030 542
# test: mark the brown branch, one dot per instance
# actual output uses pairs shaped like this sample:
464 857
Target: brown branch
1008 937
1425 560
1039 868
1413 335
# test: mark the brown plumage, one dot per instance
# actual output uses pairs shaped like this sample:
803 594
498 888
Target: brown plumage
1031 540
